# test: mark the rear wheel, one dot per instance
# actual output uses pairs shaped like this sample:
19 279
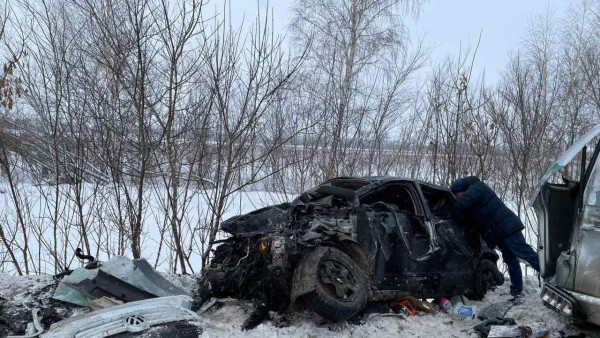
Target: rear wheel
486 278
340 289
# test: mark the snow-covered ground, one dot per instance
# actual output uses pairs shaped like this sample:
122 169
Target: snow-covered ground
225 319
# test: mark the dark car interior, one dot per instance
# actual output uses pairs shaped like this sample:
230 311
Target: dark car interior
349 183
440 202
396 195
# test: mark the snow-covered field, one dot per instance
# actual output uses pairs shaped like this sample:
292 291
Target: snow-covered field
225 318
100 214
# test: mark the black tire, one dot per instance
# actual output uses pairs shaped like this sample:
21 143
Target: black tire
487 277
340 289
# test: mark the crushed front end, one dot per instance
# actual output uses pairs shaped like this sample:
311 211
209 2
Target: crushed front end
257 262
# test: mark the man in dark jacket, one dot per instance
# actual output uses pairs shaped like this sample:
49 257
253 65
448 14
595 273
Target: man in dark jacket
479 206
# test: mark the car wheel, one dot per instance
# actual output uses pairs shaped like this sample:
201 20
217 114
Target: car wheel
340 289
486 278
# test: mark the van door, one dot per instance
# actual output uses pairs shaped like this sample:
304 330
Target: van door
556 208
587 241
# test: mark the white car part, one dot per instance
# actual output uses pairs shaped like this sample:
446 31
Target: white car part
130 317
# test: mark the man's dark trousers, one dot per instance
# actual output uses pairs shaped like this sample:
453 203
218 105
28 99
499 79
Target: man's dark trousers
514 247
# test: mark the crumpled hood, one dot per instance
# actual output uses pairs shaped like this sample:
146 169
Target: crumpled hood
257 222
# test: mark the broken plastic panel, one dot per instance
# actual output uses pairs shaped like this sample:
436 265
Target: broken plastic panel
119 278
105 285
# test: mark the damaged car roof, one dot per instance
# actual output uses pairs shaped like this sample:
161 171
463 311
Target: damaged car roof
385 179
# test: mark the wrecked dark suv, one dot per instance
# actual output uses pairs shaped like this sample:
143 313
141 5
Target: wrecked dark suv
349 241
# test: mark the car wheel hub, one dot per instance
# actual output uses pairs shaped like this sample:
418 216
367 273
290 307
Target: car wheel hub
337 279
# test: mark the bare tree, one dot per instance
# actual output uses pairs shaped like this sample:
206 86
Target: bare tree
10 89
355 45
181 112
244 82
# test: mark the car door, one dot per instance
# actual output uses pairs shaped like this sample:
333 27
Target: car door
559 210
586 237
398 225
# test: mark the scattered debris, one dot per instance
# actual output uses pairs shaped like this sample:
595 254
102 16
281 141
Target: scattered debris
260 313
496 310
29 293
225 317
462 311
505 331
515 331
483 328
403 306
34 328
411 306
280 321
120 279
445 305
104 287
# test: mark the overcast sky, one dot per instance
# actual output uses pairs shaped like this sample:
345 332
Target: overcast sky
502 23
446 24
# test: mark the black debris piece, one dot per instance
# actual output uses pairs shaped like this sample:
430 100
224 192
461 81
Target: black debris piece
483 328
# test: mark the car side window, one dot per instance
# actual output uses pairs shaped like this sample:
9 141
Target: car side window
440 202
394 194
